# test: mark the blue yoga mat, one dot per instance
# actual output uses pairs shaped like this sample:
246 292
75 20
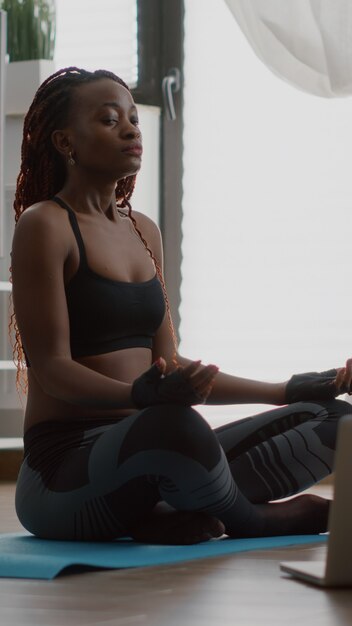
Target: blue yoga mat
25 556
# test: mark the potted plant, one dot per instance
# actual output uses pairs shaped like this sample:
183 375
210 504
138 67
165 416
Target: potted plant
31 30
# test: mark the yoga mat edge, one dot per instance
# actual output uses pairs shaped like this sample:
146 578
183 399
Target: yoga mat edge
25 556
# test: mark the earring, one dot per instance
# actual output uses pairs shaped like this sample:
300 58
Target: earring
70 159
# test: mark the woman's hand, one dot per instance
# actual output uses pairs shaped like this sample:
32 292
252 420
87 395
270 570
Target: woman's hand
185 386
319 385
343 380
201 378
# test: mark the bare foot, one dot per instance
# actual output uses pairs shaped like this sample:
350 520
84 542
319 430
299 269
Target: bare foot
176 528
303 515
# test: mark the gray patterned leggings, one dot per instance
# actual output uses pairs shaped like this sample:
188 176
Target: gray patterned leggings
88 480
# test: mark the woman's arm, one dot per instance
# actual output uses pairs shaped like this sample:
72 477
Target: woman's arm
217 387
41 247
228 389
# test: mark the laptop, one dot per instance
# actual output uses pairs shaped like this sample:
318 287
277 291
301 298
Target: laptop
336 570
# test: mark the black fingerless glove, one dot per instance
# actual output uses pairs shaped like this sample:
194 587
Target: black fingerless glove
312 386
153 387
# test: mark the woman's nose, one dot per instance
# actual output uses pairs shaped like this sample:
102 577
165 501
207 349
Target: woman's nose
134 132
131 130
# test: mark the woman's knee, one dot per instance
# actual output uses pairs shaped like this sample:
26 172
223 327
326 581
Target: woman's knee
338 408
175 428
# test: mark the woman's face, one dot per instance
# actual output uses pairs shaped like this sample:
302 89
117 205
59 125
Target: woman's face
103 130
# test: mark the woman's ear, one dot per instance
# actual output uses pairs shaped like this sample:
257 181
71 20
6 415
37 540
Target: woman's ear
61 142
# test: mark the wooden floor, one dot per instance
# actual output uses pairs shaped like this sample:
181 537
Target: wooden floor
242 590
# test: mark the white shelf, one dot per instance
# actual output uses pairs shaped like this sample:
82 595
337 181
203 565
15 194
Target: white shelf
5 286
11 443
7 365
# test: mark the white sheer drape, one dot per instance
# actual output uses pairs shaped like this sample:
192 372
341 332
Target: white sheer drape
305 42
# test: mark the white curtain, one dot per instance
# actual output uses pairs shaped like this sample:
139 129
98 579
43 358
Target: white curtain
308 43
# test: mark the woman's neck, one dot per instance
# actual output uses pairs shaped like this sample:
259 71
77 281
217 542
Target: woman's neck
89 198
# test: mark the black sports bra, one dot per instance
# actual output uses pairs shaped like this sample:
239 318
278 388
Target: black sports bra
107 315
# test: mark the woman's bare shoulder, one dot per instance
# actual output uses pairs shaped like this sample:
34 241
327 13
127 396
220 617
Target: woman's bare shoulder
41 212
41 220
151 233
146 224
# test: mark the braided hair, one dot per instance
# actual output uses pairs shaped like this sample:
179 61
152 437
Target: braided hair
43 171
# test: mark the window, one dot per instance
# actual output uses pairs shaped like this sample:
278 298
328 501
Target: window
267 221
104 34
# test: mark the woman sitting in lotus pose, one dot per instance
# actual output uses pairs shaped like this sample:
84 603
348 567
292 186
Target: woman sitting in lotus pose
113 445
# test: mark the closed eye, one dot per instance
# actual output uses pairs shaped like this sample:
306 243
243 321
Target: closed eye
110 120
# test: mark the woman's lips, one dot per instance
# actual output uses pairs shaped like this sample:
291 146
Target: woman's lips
135 149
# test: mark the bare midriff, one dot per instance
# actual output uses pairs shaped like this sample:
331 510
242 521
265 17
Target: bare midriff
123 365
